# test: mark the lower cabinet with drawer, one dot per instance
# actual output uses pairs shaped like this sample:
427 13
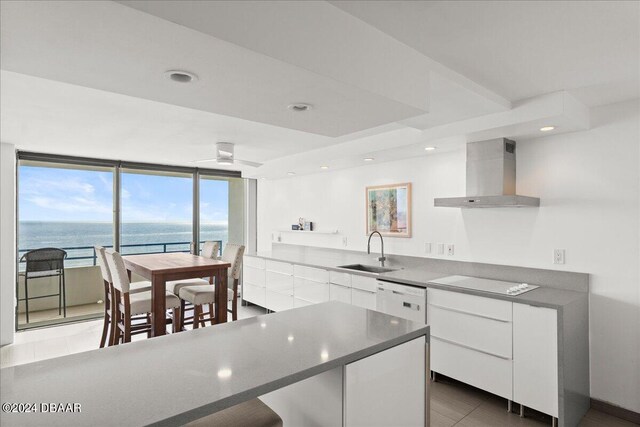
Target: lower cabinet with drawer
277 301
253 280
482 370
364 299
253 294
311 291
339 293
472 340
510 349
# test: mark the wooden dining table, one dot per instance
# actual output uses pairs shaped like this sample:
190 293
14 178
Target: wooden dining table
164 267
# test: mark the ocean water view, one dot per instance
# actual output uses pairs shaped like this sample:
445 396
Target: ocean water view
146 236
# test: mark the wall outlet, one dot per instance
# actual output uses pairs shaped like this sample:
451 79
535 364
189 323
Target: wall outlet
450 250
427 248
440 248
558 256
344 241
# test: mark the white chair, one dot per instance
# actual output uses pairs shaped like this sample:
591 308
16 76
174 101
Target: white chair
126 304
134 287
199 295
209 250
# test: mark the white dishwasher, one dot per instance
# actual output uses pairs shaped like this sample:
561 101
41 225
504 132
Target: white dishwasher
408 302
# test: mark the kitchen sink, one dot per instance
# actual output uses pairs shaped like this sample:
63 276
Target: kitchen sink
367 268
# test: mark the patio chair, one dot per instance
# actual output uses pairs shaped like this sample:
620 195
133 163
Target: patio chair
41 263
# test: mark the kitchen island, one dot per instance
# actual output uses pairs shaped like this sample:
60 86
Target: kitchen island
326 364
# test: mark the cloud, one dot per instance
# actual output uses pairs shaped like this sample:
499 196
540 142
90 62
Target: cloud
75 204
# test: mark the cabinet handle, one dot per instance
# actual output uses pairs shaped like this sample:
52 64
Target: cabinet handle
470 348
469 313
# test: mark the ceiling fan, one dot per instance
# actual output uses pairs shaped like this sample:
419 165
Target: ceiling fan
224 156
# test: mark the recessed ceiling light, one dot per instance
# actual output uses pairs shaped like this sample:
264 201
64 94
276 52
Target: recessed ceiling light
291 173
181 76
300 107
429 148
368 159
547 128
324 167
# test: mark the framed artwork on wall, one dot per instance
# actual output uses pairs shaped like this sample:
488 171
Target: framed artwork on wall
389 209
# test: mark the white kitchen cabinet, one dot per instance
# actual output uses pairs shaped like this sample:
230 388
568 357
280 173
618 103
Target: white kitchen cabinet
279 267
535 358
480 306
481 333
279 282
253 280
311 273
255 262
395 378
297 302
254 294
472 339
253 275
364 299
339 293
310 290
364 283
277 301
485 371
339 278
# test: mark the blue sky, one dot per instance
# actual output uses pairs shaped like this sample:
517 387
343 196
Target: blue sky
50 194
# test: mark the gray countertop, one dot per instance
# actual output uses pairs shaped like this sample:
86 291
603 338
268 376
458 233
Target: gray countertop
541 297
544 296
174 379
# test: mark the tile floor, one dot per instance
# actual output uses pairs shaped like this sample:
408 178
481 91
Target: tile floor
44 317
452 403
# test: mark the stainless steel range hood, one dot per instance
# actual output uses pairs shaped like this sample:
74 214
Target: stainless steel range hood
491 178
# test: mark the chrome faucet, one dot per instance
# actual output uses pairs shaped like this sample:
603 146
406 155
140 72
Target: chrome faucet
382 257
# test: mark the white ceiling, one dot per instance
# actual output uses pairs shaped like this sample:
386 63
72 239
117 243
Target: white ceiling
385 78
521 49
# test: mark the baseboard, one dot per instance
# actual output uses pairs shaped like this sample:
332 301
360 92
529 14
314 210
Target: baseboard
616 411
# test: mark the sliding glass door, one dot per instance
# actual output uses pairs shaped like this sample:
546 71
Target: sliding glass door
74 204
66 207
156 211
221 210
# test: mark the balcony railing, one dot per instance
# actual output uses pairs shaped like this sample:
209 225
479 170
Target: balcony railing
89 253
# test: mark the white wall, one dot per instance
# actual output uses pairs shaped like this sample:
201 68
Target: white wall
7 242
589 185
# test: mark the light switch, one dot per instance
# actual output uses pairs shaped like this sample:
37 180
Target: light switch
427 247
440 248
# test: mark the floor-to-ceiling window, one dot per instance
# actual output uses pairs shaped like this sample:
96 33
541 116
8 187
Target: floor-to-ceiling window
221 209
74 204
156 211
69 207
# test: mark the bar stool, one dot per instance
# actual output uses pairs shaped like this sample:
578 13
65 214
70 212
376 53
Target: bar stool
125 304
253 413
199 295
209 250
41 263
108 324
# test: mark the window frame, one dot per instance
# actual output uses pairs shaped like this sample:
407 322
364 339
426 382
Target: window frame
118 167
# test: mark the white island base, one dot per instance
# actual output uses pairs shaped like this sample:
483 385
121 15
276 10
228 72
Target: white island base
385 389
